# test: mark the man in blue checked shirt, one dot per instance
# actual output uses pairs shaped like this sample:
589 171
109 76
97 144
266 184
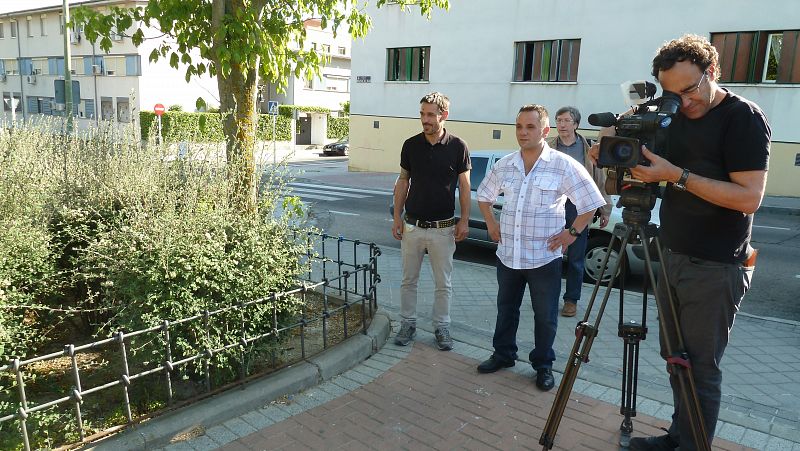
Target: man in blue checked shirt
536 183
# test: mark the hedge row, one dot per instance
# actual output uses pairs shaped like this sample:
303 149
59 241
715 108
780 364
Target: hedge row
207 127
338 127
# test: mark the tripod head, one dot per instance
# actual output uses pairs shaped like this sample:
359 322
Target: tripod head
636 198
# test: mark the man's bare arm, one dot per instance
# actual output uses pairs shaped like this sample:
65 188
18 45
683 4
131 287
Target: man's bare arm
462 228
400 196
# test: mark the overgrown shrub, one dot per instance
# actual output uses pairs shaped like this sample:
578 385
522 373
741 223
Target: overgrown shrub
100 232
104 232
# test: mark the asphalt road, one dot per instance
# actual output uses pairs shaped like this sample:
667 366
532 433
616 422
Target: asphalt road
356 205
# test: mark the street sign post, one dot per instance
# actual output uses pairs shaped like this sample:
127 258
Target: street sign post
159 110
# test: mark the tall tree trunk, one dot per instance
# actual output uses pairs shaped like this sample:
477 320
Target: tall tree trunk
237 92
237 104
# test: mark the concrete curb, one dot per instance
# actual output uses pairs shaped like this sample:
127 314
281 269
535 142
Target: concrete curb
251 396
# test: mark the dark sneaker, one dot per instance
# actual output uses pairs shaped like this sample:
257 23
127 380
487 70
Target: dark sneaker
662 442
443 339
492 364
544 379
405 334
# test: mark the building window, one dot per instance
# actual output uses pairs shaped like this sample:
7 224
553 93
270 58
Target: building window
336 83
39 66
555 60
11 66
2 30
408 64
340 50
114 65
42 21
61 24
7 96
13 26
758 56
308 83
326 48
29 26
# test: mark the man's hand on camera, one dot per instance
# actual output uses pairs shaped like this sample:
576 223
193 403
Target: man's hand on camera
659 170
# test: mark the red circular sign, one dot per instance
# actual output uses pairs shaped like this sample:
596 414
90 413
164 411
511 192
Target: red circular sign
158 109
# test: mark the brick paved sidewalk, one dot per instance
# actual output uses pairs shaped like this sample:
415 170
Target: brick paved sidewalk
437 400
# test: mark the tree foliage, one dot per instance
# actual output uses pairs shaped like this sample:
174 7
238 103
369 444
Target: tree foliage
238 41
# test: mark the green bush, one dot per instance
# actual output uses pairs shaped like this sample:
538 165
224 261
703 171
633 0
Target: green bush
99 232
179 126
26 279
338 127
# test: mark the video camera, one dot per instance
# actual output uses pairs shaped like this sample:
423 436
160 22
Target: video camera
646 126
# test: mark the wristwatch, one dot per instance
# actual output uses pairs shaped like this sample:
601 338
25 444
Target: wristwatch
680 185
573 231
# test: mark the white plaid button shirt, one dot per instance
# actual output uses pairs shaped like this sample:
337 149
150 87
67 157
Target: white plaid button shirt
534 203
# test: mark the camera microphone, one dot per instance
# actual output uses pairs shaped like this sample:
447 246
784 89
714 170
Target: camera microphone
603 119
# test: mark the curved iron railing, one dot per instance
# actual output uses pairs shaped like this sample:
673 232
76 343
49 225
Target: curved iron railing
346 273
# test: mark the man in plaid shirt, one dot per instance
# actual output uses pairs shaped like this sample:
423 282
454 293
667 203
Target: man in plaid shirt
535 183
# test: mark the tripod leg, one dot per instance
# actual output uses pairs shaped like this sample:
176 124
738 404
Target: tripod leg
585 334
678 360
632 333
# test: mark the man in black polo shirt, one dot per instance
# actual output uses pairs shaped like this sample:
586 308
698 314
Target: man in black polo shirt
431 163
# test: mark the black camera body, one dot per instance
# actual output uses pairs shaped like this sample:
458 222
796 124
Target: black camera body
646 126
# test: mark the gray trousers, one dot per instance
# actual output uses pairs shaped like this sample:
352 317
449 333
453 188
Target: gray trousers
706 297
440 244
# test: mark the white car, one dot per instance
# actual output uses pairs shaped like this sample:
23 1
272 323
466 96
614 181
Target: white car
599 238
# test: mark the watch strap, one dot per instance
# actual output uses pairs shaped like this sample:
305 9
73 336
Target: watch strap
681 183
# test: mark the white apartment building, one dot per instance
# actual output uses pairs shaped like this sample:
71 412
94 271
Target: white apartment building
492 57
328 90
114 86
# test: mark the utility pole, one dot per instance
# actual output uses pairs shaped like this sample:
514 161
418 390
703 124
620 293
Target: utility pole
67 69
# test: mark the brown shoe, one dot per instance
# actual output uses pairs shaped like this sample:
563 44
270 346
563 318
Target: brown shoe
570 309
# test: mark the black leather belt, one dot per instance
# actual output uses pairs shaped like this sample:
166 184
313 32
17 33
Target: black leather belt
431 224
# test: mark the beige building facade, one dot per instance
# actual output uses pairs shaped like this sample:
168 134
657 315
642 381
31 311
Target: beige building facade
491 58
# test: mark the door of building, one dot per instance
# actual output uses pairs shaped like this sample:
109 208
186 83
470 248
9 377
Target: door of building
303 130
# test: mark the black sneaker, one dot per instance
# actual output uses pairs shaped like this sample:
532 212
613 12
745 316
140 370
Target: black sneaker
662 442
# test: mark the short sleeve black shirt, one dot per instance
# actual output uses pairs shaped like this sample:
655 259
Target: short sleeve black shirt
434 170
734 136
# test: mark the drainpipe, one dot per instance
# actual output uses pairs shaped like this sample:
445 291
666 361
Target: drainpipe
98 110
67 69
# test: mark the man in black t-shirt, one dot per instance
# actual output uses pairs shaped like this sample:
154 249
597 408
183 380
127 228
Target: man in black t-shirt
716 169
431 163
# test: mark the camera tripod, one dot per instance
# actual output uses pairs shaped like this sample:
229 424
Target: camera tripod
635 227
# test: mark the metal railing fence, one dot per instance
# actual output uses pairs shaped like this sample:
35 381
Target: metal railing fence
342 272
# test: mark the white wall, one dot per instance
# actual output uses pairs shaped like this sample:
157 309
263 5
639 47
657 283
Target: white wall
472 54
